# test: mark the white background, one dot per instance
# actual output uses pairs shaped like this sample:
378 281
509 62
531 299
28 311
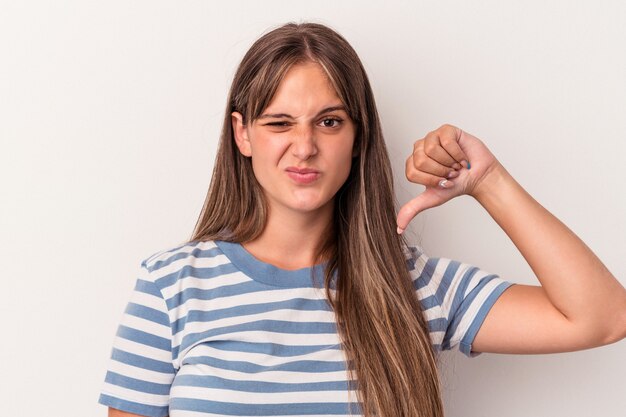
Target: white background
109 118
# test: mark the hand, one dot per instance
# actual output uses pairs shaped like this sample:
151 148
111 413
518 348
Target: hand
449 162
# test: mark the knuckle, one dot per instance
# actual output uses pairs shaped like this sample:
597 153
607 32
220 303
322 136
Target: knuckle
411 208
429 148
448 133
446 140
419 160
431 136
413 178
412 174
447 127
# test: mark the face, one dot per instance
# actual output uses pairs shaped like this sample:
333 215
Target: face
301 146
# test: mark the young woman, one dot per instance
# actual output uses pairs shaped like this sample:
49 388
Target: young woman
297 293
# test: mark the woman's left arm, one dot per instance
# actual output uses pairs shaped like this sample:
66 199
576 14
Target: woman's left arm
579 304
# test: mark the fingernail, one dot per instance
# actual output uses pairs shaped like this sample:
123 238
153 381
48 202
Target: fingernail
457 166
445 184
399 230
465 163
452 174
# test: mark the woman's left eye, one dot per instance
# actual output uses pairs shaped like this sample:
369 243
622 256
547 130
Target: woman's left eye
329 122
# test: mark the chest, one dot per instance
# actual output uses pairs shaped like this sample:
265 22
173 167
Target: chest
256 351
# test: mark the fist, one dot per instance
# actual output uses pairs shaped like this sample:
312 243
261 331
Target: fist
449 163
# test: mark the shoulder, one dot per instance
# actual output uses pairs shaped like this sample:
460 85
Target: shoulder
168 265
181 270
183 251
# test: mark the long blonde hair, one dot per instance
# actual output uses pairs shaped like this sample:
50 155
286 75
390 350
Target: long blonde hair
379 318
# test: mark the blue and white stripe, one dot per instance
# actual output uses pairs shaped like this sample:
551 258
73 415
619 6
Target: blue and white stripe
212 331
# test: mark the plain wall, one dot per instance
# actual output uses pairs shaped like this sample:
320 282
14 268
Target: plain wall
110 115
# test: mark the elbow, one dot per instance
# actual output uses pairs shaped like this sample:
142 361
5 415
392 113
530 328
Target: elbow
616 324
614 337
618 328
606 329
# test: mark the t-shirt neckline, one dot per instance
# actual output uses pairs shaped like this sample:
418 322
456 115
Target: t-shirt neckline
268 273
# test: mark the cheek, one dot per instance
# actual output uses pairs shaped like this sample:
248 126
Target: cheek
347 152
269 145
266 156
343 162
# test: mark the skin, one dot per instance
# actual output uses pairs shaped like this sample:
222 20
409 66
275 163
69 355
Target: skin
307 139
579 303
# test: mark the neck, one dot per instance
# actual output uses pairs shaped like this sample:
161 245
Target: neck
291 239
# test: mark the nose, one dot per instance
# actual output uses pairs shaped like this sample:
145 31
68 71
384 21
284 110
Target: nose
304 145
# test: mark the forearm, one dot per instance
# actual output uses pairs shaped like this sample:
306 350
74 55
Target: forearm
574 279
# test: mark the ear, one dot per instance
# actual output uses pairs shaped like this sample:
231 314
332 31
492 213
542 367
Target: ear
241 134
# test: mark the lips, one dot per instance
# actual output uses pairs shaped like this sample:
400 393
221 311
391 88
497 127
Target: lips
302 170
303 175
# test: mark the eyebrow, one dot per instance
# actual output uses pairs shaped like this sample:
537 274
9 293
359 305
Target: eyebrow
325 110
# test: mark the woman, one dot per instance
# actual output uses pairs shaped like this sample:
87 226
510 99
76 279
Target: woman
296 296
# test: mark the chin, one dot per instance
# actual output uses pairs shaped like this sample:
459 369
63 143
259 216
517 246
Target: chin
308 205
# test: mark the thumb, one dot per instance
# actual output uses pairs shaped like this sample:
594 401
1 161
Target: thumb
413 207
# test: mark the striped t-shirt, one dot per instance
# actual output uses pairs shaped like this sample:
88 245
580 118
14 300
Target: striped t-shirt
212 331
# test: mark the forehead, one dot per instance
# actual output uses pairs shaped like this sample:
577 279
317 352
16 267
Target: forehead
304 88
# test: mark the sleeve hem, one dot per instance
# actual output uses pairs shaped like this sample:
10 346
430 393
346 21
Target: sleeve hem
466 343
133 407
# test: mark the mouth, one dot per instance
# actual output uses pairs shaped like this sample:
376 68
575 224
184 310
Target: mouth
303 175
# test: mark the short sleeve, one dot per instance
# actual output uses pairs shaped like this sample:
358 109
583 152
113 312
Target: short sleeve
455 296
140 370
